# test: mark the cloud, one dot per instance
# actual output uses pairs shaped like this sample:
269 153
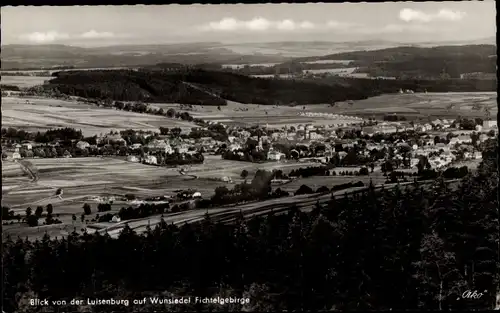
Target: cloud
261 24
44 37
97 35
257 24
341 25
410 15
54 36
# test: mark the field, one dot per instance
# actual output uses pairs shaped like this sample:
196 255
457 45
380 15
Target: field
434 105
421 105
237 66
43 114
24 81
82 179
247 114
345 62
333 71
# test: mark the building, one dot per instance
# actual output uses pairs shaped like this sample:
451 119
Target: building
478 155
132 158
27 146
160 145
136 146
483 137
115 219
16 155
234 147
275 155
82 145
150 159
490 124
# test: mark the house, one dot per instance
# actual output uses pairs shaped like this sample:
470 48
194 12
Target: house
442 146
490 124
234 147
150 159
477 155
342 154
82 145
115 219
16 156
483 137
275 155
160 145
479 128
136 146
18 146
414 162
132 158
27 146
465 139
429 142
182 149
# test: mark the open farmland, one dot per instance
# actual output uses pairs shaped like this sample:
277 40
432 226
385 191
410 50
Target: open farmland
435 105
329 181
24 81
253 114
42 114
83 179
334 71
345 62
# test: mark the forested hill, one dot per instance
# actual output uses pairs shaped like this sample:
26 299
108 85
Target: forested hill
448 61
212 87
177 86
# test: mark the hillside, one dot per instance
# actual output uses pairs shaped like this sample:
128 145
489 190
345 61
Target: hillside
211 87
178 86
418 62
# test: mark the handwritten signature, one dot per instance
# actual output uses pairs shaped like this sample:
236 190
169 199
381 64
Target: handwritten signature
468 294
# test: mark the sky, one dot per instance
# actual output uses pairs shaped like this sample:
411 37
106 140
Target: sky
240 23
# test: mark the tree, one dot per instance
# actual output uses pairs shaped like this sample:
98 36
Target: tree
363 171
32 220
38 211
86 209
171 113
49 208
303 190
28 212
244 174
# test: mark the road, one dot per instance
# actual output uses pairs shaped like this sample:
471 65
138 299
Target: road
228 214
30 170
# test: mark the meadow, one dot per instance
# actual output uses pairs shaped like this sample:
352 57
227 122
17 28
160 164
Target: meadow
433 105
42 114
24 81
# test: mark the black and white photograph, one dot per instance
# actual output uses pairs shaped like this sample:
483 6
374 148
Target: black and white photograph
250 157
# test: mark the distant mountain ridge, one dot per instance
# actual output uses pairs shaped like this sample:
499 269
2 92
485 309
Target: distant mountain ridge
47 56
